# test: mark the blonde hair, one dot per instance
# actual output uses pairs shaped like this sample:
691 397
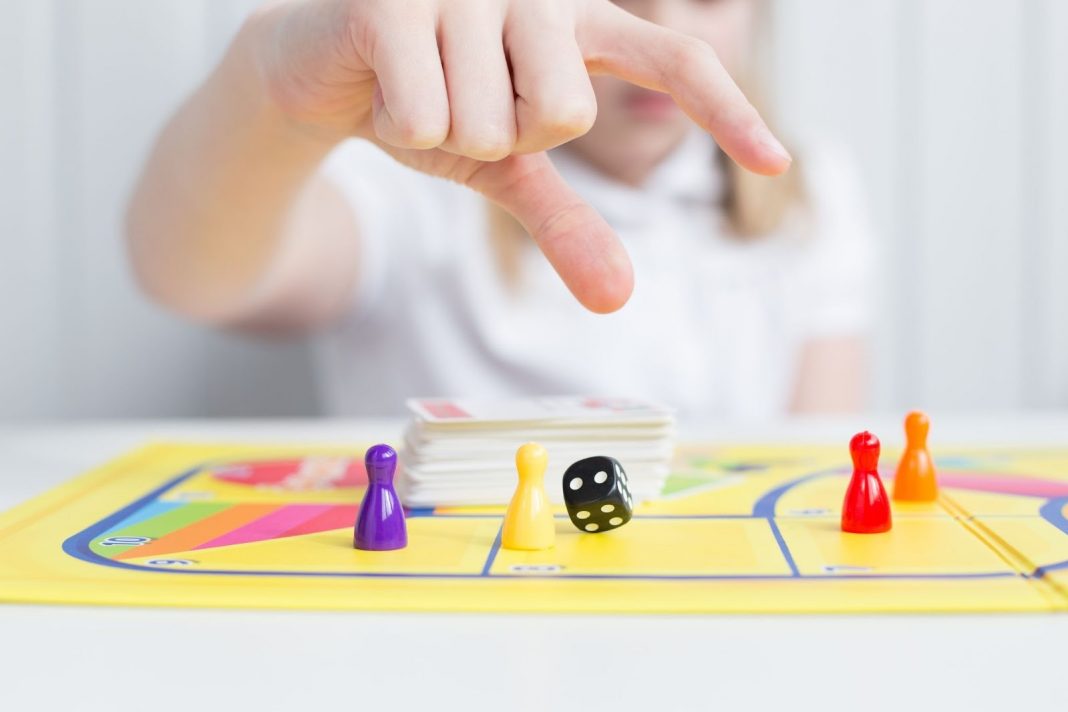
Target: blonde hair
756 205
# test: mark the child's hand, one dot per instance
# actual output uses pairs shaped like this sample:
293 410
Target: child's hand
489 85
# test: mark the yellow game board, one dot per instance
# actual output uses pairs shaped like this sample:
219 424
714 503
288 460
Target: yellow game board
737 529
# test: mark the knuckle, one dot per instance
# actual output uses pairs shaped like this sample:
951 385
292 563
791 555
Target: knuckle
556 121
689 51
485 146
572 118
363 27
419 132
486 152
562 223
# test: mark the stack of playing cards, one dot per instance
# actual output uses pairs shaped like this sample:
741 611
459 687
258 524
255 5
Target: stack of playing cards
462 452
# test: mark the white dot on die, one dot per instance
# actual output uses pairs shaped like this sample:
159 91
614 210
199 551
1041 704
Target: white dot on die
615 521
575 483
591 527
608 508
583 514
601 477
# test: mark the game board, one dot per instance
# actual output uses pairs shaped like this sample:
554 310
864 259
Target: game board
750 528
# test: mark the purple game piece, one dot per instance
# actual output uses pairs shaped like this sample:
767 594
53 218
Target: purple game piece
380 523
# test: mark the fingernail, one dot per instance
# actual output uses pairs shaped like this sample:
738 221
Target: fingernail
772 144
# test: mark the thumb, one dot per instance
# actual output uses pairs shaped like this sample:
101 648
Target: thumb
576 240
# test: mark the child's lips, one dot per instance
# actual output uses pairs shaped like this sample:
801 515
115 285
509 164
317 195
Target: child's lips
647 104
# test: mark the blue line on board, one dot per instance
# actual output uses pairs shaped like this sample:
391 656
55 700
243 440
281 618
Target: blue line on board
419 512
783 548
77 546
765 508
1053 512
493 552
601 577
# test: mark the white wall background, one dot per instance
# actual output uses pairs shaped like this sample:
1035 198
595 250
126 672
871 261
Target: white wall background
85 85
956 108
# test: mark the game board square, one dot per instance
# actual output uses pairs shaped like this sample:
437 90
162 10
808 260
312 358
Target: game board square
922 546
436 545
1036 544
657 547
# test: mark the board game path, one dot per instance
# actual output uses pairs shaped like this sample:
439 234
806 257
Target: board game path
1052 510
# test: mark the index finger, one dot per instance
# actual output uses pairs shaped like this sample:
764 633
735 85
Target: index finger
576 240
640 52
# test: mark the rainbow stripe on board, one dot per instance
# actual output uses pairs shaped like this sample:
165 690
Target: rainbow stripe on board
168 527
164 527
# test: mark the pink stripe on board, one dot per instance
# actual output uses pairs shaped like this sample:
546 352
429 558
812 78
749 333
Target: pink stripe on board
271 526
1005 484
340 516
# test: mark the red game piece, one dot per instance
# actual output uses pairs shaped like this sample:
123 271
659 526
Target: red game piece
866 509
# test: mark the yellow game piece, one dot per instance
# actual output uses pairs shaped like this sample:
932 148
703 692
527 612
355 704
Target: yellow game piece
528 523
915 480
747 529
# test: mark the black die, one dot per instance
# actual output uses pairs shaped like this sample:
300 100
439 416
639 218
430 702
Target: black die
596 494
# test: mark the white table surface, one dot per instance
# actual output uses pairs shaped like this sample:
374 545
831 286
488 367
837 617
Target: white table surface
146 659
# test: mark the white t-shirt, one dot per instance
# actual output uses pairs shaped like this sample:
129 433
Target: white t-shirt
713 328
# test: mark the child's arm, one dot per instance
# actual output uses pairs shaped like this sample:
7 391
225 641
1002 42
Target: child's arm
229 225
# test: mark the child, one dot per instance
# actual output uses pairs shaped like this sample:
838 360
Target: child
276 199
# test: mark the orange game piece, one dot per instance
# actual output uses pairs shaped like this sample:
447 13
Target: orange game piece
866 508
915 480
